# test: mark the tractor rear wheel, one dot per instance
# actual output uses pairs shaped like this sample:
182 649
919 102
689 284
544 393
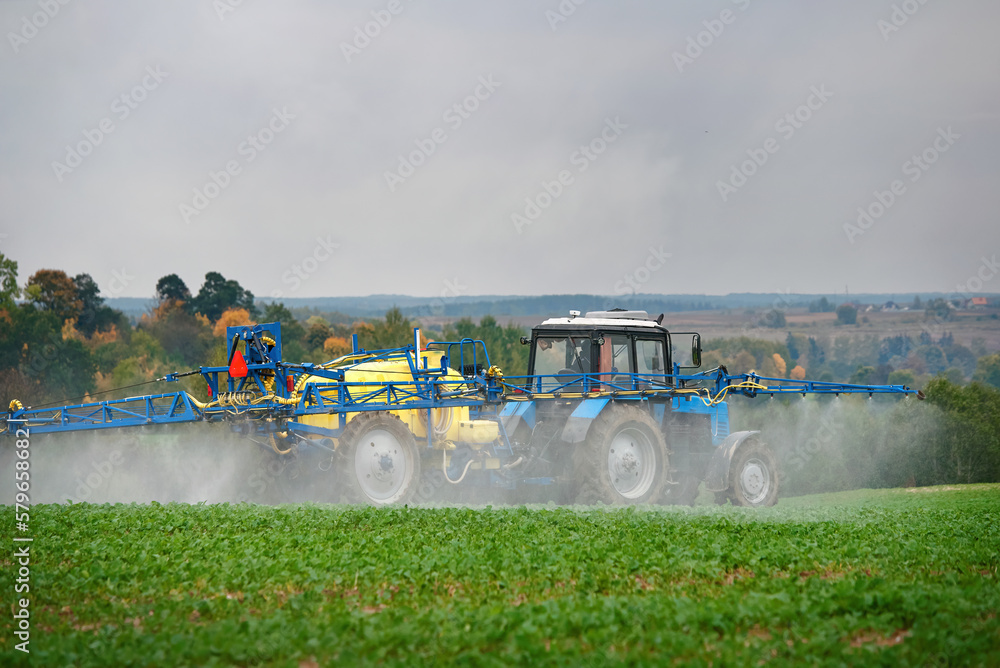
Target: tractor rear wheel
624 459
380 465
753 477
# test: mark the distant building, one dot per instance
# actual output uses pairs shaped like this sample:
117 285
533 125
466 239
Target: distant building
979 302
890 306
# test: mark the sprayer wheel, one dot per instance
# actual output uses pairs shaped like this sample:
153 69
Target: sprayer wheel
624 459
753 476
380 464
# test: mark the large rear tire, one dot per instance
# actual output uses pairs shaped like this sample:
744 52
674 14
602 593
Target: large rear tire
381 465
753 476
624 459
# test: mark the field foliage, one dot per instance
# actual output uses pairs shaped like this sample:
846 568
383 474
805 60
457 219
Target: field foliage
896 577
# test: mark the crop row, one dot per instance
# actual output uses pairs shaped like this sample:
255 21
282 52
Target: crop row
894 578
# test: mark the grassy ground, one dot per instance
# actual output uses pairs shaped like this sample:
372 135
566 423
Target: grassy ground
895 577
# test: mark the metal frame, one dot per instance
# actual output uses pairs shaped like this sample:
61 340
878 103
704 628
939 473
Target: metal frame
423 389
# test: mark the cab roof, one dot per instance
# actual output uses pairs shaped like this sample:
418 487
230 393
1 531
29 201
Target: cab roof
603 319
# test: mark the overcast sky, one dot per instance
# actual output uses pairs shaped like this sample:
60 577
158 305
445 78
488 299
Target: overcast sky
115 116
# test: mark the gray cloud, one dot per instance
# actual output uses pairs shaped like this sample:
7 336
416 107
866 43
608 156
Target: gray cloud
324 175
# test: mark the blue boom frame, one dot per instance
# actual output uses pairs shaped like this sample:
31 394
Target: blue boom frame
263 397
265 393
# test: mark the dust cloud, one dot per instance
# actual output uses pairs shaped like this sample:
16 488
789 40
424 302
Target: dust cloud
822 444
828 443
187 464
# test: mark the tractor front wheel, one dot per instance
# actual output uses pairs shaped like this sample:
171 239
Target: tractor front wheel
753 477
381 465
623 460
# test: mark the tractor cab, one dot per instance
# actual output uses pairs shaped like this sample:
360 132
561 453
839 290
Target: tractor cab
614 349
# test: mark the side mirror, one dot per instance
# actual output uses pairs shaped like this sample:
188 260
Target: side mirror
525 340
696 350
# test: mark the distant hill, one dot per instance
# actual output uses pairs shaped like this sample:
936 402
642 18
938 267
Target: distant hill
504 305
476 306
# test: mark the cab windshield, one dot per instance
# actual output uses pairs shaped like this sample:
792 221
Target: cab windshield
562 354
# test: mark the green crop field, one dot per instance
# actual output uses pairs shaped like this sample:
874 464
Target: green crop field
895 577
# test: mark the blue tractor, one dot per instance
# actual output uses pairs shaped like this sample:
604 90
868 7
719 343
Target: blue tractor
614 417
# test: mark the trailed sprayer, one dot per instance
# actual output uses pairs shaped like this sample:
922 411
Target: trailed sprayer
605 414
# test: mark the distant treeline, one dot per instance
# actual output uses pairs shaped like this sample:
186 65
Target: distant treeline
555 305
477 306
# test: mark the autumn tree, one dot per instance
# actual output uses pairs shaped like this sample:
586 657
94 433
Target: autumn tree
8 281
969 449
779 364
792 344
336 346
36 362
393 332
172 288
291 328
822 305
988 370
53 291
847 314
775 319
293 334
94 314
218 294
503 342
231 317
938 309
742 354
185 337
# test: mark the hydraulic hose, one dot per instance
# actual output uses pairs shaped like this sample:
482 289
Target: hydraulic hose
444 467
